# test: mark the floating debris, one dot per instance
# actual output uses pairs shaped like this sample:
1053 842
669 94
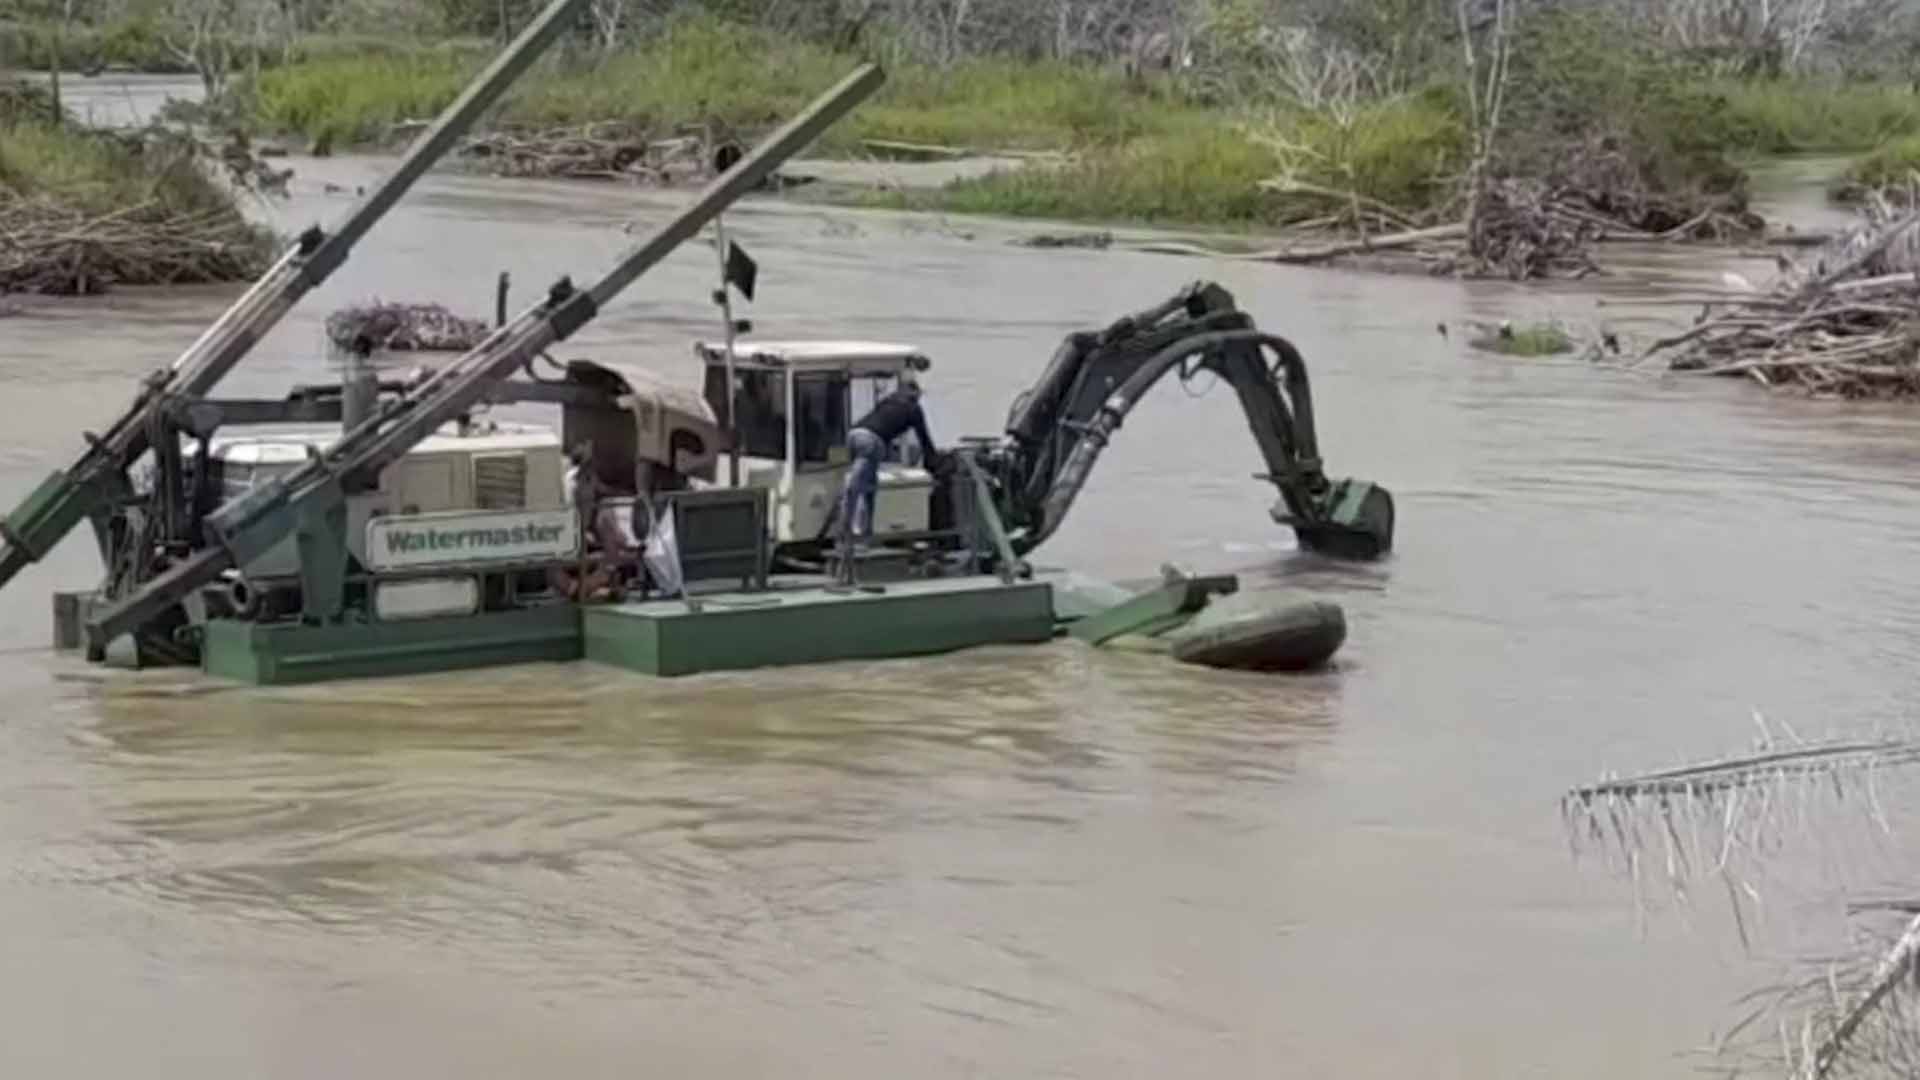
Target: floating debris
1536 339
1096 241
405 328
610 150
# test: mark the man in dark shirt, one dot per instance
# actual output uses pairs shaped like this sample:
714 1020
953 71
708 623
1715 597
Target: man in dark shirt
891 417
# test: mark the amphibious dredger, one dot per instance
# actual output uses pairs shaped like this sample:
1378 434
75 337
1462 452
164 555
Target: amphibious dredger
387 525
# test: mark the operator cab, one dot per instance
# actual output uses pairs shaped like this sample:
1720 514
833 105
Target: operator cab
794 404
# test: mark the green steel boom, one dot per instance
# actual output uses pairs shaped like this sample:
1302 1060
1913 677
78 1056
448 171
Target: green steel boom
254 522
98 480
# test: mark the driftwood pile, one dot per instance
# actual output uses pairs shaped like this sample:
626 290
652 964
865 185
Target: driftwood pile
50 246
1523 230
1543 224
601 151
1845 322
384 326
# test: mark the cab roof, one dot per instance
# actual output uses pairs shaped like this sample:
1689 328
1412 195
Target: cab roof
858 357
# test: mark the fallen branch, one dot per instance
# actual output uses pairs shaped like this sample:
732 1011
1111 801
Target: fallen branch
1733 771
1897 965
1321 253
912 151
1288 185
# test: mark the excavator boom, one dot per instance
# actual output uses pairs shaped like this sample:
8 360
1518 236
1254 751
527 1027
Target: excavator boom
1057 430
98 480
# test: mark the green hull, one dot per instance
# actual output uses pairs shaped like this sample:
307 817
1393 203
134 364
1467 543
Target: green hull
796 623
814 625
278 654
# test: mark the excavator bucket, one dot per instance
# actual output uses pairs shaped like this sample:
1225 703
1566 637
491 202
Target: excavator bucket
1358 522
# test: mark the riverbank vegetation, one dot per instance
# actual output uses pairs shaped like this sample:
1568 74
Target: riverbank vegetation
1891 172
1541 126
85 210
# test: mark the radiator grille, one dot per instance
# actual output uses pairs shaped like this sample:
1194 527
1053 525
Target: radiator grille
500 481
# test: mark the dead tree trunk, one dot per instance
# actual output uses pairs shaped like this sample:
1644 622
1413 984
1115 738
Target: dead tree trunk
1486 93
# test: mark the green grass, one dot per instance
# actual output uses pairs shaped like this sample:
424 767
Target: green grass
140 45
1893 163
1534 339
1213 173
348 99
1140 152
1210 175
102 174
1810 115
705 70
1400 153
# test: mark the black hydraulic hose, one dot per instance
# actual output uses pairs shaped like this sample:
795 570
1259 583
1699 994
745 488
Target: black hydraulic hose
1099 430
1306 442
1035 420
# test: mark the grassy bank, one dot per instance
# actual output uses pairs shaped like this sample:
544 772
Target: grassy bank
1802 115
1274 169
83 211
141 46
739 76
132 46
1891 167
1142 151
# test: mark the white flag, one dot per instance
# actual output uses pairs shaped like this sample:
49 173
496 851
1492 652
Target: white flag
663 555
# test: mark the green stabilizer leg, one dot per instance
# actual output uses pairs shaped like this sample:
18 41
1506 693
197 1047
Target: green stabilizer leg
321 539
1156 610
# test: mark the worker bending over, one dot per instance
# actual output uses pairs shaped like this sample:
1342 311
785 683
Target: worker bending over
891 417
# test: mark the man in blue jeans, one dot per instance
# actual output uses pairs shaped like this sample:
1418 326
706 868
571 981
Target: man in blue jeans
892 416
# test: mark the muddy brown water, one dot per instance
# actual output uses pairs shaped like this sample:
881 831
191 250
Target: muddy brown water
1008 862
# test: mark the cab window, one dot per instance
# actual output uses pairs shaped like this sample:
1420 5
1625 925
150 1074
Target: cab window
820 405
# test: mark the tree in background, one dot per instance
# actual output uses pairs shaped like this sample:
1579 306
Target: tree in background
61 15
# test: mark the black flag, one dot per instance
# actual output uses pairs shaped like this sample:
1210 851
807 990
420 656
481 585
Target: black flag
741 269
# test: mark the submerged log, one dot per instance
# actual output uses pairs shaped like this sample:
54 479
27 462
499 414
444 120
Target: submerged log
1311 253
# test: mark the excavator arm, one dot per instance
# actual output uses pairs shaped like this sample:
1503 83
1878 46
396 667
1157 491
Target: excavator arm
1057 430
